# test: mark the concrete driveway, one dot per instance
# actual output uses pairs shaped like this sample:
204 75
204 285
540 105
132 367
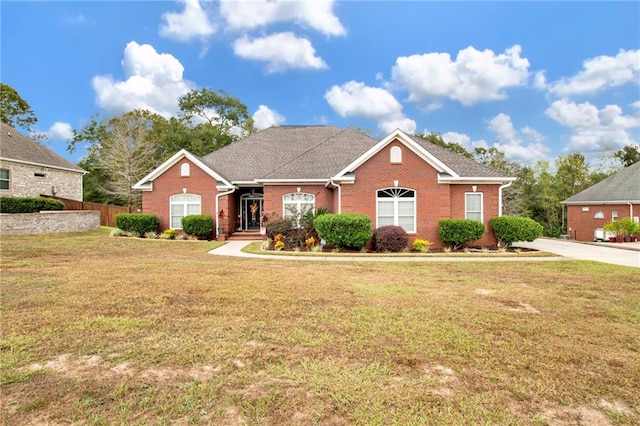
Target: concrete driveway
582 251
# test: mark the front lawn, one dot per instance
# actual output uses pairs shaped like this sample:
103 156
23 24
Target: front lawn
100 330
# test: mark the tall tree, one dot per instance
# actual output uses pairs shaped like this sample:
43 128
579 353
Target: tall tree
628 155
15 111
436 138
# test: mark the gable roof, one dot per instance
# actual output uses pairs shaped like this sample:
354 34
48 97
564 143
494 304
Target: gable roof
450 165
289 153
17 147
623 187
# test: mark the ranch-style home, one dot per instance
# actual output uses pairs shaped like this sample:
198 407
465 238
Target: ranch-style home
288 170
613 198
29 169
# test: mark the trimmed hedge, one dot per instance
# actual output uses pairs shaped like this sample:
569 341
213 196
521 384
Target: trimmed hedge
200 225
344 230
279 226
390 238
29 204
509 229
138 223
457 232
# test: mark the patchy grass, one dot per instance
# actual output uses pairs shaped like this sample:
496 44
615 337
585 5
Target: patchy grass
99 330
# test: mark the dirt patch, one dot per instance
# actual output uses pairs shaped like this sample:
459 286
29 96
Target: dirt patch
582 415
484 292
617 407
445 377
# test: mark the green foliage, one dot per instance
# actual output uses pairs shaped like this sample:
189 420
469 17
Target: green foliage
28 204
137 223
390 238
344 230
421 245
457 232
15 111
200 225
628 155
436 138
509 229
308 219
278 226
627 226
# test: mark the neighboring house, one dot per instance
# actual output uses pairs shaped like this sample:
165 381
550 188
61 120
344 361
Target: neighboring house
29 169
613 198
401 180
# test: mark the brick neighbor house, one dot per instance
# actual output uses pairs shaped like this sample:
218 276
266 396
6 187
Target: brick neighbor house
613 198
29 169
401 180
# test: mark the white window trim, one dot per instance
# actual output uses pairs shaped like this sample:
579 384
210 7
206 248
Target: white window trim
395 155
614 215
8 180
185 170
297 203
184 210
395 207
466 209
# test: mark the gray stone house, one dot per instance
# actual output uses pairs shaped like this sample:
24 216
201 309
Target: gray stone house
29 169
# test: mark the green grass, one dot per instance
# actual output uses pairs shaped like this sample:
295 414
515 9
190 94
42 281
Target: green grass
100 330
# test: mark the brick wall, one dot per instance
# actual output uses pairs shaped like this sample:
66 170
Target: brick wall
25 183
49 222
581 220
273 196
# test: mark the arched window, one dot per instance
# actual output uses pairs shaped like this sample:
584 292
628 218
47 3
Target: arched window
297 204
396 154
598 215
182 205
396 206
185 170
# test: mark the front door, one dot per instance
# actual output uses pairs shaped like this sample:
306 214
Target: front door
250 212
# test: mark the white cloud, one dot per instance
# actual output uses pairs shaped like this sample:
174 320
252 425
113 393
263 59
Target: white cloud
524 145
60 130
281 51
154 81
246 15
636 105
594 129
193 22
266 117
601 72
357 99
464 140
474 75
540 80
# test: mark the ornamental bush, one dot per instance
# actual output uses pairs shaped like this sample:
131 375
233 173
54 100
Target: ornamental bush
344 230
509 229
390 238
137 223
421 245
456 232
278 226
200 225
29 204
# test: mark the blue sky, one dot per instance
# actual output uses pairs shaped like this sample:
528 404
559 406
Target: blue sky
537 79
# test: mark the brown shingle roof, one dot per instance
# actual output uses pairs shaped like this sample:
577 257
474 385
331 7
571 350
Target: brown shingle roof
19 147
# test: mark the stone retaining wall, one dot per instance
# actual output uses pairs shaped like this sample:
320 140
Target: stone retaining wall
49 222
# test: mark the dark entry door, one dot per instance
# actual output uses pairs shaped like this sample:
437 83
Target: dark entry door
251 208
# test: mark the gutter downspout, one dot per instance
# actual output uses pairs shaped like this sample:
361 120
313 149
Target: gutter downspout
630 209
331 182
218 207
506 185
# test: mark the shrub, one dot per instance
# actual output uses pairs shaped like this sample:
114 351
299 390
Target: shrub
456 232
310 242
627 226
308 220
510 228
169 234
279 226
117 232
29 204
421 245
200 225
279 245
296 238
344 230
390 238
151 235
137 223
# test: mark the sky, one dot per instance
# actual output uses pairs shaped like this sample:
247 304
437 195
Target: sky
534 79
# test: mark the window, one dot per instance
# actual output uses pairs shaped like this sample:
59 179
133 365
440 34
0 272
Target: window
598 215
396 206
614 215
473 206
298 204
185 169
396 154
4 179
39 174
183 205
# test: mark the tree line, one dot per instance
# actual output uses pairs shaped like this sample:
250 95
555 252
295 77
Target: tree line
122 149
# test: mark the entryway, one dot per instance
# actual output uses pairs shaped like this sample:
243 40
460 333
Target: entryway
250 211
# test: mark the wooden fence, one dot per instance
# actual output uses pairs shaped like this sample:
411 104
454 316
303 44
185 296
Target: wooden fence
108 212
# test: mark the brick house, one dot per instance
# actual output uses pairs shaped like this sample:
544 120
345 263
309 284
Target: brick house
288 170
613 198
29 169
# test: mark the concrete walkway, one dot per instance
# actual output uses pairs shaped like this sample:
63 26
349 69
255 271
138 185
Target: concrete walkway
234 248
625 254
